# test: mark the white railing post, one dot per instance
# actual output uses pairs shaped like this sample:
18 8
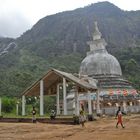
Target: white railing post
23 105
41 98
64 97
58 101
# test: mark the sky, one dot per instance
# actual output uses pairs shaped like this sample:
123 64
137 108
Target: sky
18 16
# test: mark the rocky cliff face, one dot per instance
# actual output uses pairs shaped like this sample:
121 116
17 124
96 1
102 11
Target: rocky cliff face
70 30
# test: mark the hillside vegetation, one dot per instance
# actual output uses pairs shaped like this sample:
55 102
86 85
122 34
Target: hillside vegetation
59 41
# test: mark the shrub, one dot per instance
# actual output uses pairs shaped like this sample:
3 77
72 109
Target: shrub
8 104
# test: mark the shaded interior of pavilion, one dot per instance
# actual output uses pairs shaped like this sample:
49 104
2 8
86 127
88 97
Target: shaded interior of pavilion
50 85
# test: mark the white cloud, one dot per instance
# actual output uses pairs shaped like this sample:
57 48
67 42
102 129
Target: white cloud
13 25
13 21
127 4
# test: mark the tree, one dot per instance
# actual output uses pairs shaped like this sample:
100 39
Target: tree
131 67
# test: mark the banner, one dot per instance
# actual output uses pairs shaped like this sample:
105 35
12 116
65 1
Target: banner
111 92
118 91
125 92
82 97
133 91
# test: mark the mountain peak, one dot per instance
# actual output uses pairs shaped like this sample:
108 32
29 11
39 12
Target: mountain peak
104 7
105 4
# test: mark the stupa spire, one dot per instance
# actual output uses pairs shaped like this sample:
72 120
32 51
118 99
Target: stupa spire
97 34
98 43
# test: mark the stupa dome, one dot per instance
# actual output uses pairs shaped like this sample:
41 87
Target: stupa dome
98 61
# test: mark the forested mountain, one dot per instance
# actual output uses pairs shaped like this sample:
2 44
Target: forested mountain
59 41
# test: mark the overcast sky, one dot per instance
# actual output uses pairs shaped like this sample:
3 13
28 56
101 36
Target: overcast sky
17 16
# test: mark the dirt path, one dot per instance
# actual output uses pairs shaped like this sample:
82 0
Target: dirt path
102 129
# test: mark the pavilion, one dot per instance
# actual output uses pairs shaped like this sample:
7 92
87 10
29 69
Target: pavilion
50 83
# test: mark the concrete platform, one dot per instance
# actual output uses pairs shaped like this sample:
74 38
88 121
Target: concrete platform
41 120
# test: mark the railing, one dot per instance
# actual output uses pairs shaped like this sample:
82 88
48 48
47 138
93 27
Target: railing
112 110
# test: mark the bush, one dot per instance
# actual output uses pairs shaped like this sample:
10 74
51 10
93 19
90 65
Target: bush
8 104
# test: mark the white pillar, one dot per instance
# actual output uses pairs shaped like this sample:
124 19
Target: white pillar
94 105
0 106
85 107
124 106
17 109
64 97
23 105
89 104
76 102
98 111
58 103
41 98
